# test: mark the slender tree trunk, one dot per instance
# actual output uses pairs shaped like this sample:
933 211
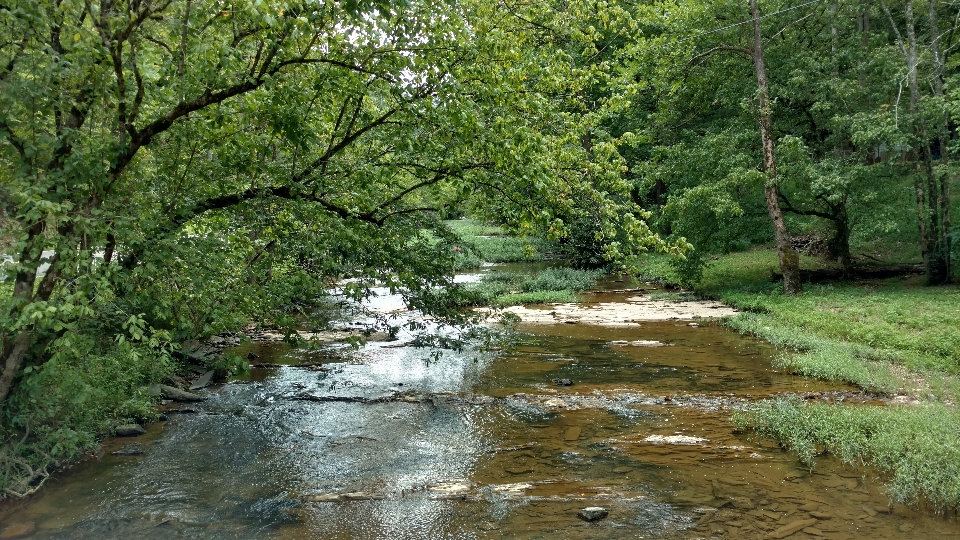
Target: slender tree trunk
920 156
788 257
932 237
839 245
944 243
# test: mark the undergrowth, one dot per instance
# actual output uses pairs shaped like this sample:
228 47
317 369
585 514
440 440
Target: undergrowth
488 243
546 286
64 407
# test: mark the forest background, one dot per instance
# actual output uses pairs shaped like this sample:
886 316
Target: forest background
191 167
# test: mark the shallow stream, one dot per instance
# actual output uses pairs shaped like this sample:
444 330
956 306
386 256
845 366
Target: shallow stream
389 443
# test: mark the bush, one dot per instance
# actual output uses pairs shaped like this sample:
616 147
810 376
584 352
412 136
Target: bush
65 406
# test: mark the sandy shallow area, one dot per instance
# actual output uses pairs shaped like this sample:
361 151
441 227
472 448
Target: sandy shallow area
630 311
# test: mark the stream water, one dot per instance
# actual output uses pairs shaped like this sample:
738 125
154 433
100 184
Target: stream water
386 442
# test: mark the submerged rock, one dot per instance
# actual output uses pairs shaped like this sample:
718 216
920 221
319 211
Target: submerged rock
323 497
129 430
17 530
593 513
518 488
359 496
341 497
675 439
129 450
639 343
791 528
451 490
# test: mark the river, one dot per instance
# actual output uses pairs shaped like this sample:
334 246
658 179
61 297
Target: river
387 442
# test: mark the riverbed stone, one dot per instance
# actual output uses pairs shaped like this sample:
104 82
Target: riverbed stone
451 489
518 488
593 513
675 439
174 393
129 430
129 450
572 434
203 381
358 496
791 528
323 497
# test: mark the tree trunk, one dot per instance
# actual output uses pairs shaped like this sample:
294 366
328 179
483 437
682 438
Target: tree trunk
944 246
788 257
919 155
840 243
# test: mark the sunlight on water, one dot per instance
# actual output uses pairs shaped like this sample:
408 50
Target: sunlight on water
389 443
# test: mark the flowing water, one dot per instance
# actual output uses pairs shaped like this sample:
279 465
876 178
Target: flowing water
387 442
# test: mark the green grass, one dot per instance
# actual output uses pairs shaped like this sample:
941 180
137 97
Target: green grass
915 447
494 246
469 227
538 297
546 286
893 335
847 331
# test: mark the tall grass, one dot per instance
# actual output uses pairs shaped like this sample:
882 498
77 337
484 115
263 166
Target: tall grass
916 447
489 243
546 286
882 335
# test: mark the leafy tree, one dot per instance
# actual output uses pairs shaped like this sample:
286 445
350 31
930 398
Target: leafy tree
194 164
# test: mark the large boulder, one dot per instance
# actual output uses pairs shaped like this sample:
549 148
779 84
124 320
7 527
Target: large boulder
129 430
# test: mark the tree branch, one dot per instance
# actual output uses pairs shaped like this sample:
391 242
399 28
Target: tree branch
731 48
787 206
346 141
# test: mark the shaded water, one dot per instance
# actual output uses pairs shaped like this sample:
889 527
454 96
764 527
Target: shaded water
474 446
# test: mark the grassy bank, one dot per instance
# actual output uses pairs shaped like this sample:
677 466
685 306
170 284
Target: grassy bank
878 334
546 286
915 447
891 336
491 244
